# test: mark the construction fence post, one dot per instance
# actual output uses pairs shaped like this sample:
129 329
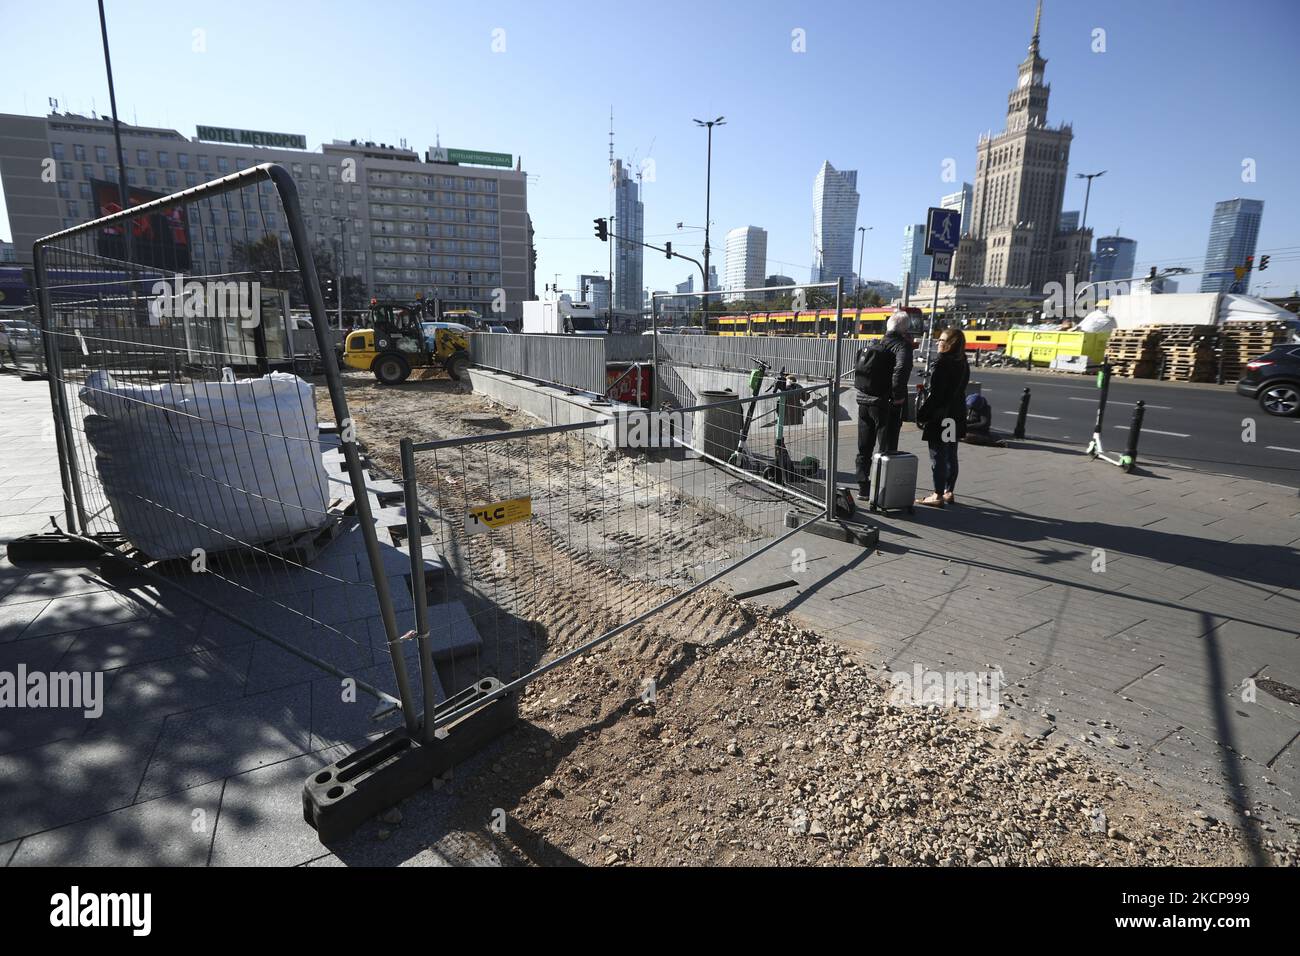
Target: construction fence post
833 405
419 588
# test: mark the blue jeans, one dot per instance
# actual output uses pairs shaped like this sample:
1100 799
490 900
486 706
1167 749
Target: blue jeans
943 464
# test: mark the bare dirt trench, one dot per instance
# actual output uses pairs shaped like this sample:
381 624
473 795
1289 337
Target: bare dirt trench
763 743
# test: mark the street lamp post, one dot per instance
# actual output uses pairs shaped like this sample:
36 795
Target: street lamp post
122 190
862 237
708 189
1087 194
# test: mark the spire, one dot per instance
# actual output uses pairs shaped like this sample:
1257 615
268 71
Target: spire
1038 17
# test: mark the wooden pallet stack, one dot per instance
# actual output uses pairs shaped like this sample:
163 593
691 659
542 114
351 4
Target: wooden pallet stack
1189 353
1134 353
1243 341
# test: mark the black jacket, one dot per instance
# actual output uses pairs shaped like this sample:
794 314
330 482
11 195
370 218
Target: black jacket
946 397
899 347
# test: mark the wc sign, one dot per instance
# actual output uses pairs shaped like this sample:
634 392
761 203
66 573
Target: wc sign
484 518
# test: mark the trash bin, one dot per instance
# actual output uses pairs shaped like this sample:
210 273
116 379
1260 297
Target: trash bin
720 423
794 407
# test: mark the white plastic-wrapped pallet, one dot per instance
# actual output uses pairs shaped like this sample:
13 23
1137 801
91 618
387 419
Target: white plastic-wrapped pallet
211 465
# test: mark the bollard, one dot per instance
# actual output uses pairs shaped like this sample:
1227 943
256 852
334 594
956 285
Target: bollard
1134 433
1020 416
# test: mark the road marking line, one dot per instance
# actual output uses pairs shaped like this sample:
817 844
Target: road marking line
1280 448
1115 401
1050 418
1155 431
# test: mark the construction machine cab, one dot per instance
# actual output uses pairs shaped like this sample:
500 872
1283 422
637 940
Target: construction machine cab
401 338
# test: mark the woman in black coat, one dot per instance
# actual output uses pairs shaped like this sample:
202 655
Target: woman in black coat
942 416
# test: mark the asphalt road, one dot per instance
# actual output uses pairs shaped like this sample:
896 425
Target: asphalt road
1188 426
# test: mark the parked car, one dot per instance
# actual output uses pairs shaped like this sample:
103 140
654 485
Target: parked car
498 328
18 336
1273 380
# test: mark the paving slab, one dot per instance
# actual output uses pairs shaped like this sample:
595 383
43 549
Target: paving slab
261 823
214 742
58 783
176 830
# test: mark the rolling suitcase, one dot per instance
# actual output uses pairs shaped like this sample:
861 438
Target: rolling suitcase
893 481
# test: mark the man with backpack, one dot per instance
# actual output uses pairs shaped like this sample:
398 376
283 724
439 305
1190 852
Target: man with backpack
880 375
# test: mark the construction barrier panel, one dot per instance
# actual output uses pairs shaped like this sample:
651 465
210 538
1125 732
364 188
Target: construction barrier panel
550 540
190 448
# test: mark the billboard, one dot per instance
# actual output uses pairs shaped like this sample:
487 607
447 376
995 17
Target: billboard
160 239
478 157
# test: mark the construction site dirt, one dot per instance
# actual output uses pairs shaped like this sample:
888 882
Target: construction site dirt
760 742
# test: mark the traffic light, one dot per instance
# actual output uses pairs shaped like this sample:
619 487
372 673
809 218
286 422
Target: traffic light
668 250
602 229
1263 263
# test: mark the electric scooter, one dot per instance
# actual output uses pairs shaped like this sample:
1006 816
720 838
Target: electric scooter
784 469
1095 450
741 457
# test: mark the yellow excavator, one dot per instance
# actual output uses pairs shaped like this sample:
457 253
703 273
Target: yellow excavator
406 338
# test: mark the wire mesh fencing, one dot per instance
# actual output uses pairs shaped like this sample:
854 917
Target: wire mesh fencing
187 442
551 540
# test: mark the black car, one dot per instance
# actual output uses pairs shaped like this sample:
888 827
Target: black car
1274 380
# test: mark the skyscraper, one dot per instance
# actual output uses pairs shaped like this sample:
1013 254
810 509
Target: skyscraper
961 201
629 215
1233 232
746 260
594 289
915 261
1069 221
835 216
1115 259
1020 177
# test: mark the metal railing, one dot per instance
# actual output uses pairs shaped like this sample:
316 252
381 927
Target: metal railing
573 361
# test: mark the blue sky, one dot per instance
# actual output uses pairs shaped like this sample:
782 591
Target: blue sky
1184 92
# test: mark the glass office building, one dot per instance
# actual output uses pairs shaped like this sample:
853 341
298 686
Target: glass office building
1233 232
1114 260
835 217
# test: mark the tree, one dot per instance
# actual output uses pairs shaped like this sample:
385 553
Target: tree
263 260
354 290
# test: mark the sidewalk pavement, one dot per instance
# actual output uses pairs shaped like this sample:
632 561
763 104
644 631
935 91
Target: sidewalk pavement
1141 658
208 732
202 757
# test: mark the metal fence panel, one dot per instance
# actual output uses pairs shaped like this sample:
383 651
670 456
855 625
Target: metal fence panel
574 361
187 444
561 537
628 348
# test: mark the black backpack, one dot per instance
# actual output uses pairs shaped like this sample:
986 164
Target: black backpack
873 373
